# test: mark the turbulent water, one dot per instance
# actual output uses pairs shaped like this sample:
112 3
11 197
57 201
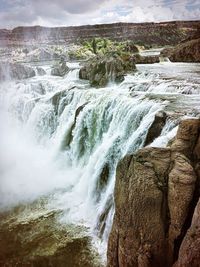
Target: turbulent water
61 138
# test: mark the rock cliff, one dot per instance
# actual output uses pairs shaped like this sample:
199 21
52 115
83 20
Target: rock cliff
185 52
165 33
156 193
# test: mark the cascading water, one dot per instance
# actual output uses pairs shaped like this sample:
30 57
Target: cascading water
64 139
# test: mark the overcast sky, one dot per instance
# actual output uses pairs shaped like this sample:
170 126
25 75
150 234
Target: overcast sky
80 12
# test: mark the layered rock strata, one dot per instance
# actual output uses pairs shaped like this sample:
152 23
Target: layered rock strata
164 33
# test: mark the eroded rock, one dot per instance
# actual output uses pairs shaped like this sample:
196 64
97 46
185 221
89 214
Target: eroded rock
189 254
155 195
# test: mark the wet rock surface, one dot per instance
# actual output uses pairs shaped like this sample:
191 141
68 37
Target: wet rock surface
10 71
100 70
155 196
60 68
41 71
156 127
138 59
32 236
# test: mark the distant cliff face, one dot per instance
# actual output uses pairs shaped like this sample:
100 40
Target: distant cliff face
166 33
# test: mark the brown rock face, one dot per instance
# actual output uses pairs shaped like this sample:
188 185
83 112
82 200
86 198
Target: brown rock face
189 254
164 33
184 52
187 137
154 199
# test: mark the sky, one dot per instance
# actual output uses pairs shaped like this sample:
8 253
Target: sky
15 13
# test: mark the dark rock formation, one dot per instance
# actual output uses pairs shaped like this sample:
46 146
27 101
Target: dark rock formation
60 68
9 71
41 71
164 33
138 59
156 127
184 52
69 135
131 47
154 202
100 70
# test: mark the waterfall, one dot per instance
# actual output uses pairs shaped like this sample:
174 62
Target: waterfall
164 59
63 139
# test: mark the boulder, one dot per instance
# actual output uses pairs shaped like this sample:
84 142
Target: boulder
10 71
129 46
155 196
60 68
102 69
40 71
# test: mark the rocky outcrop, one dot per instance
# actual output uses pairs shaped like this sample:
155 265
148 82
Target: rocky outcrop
10 71
40 71
60 68
100 70
156 127
155 195
184 52
138 59
164 33
189 254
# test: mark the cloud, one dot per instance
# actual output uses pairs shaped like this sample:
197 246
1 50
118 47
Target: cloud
79 12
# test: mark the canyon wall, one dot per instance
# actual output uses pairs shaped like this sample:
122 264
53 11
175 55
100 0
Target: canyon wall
165 33
156 192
